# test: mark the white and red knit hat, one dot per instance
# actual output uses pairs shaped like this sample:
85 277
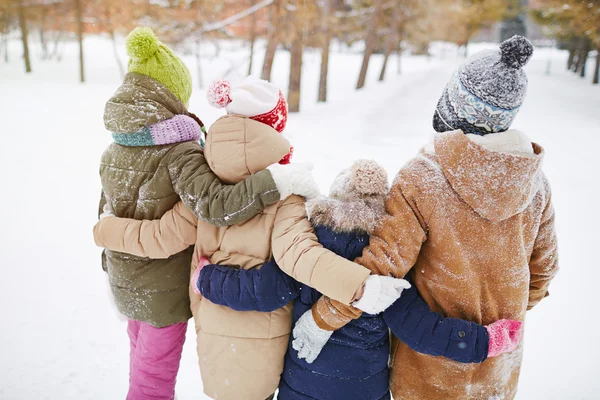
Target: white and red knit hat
253 98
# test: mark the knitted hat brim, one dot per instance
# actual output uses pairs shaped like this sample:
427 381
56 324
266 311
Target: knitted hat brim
445 118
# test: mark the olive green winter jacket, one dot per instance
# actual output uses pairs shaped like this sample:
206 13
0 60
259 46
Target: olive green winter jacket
145 182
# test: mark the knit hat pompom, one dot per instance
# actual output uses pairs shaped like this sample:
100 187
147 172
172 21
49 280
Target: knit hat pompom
516 51
142 43
369 178
219 93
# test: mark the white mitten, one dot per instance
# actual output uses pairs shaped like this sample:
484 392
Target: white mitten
309 339
294 179
380 293
106 211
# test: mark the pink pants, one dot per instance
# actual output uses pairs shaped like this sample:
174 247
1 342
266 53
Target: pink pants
154 360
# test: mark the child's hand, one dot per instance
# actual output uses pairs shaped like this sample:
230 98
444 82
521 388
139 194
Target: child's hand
505 336
294 179
380 292
309 339
196 275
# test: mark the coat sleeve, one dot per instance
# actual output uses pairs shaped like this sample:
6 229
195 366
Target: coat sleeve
395 244
262 289
210 199
411 320
543 264
299 254
331 315
158 239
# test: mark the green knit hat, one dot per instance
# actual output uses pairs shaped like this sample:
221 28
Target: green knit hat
151 57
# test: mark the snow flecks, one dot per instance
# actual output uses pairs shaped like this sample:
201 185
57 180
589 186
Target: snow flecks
505 368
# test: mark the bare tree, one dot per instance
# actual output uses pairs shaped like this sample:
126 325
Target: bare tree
393 39
110 27
79 20
198 61
272 39
597 68
5 30
295 73
42 30
24 34
370 44
326 42
584 51
252 38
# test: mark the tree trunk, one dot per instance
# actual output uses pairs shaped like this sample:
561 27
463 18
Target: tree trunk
571 58
581 57
584 57
57 40
252 37
295 74
79 17
272 41
6 48
399 50
113 38
326 32
597 69
549 62
392 41
369 45
115 47
24 38
4 42
42 32
388 51
198 63
4 45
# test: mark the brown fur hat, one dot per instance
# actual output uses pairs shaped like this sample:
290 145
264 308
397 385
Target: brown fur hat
356 199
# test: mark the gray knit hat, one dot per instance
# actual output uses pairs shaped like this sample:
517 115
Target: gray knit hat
485 94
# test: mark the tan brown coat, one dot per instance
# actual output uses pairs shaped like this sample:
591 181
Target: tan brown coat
474 229
241 353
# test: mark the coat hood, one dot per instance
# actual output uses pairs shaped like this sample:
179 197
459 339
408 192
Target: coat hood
496 184
140 102
237 147
356 202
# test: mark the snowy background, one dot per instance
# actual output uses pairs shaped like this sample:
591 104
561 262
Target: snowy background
60 336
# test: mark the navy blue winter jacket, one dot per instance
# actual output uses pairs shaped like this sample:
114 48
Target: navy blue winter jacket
353 365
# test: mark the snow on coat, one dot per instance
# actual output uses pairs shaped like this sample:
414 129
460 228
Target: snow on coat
474 230
354 362
241 354
143 182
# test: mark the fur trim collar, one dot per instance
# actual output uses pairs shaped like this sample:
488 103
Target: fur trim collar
352 216
512 142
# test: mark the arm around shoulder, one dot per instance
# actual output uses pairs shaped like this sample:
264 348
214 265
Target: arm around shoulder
396 242
212 200
299 254
157 239
411 320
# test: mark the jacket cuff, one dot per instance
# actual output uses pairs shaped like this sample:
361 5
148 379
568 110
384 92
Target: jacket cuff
484 337
320 321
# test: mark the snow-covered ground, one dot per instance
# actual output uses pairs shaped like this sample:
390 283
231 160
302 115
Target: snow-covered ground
60 336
